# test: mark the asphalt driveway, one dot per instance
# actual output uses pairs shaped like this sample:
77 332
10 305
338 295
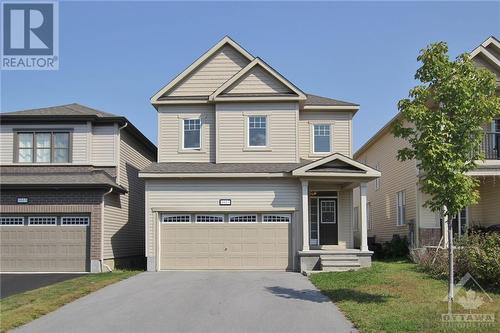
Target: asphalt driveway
200 302
11 284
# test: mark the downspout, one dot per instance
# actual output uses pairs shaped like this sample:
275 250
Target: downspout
117 152
102 232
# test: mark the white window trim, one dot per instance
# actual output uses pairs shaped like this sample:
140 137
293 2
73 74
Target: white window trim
75 225
377 180
211 215
41 225
172 215
13 225
200 145
311 131
400 221
267 147
289 216
236 215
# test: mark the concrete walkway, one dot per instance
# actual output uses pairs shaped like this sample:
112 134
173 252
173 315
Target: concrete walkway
200 302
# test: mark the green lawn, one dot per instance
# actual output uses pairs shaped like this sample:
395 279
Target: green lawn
20 309
395 297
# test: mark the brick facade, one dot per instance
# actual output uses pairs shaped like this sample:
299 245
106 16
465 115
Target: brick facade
58 202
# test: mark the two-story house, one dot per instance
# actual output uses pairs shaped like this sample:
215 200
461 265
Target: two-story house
395 203
252 172
71 199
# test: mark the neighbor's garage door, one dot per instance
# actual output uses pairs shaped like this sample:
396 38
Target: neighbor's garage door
223 241
44 243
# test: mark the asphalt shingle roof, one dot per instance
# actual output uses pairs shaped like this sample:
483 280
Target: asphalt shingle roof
184 167
315 100
62 110
54 176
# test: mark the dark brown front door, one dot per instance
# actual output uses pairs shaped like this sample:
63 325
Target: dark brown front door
328 226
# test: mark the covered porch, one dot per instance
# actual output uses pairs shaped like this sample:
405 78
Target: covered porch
327 214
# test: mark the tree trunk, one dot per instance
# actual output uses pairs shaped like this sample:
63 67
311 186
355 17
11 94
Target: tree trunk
450 262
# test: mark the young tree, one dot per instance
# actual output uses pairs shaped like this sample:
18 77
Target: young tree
442 122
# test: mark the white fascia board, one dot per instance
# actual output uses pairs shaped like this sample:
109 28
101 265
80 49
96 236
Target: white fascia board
336 156
199 61
332 107
213 175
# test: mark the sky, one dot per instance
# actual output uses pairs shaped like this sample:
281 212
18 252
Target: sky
115 55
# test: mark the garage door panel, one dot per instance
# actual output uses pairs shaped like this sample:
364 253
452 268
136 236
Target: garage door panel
225 246
44 249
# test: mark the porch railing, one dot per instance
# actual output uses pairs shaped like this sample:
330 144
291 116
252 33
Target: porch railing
491 146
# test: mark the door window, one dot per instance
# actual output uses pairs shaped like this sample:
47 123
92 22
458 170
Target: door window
328 211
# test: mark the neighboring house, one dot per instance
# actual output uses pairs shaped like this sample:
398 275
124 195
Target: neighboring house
252 173
396 204
71 199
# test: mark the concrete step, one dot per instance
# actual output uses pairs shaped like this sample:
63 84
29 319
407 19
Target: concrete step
340 264
339 257
339 269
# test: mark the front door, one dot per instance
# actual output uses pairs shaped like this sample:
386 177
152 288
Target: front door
328 226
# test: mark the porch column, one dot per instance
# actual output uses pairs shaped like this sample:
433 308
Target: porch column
305 215
362 216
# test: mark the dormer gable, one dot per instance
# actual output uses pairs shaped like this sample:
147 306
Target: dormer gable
207 73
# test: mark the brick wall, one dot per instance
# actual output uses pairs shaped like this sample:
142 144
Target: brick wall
56 202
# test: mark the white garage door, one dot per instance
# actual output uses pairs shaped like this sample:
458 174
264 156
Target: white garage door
225 241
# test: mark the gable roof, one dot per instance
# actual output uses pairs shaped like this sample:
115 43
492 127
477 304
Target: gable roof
224 41
386 128
193 95
268 69
336 163
74 112
484 50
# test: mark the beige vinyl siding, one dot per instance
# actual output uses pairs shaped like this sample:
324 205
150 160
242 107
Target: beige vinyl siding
341 134
80 138
170 133
484 63
232 132
256 195
103 149
396 176
345 207
210 75
427 218
256 81
487 211
124 214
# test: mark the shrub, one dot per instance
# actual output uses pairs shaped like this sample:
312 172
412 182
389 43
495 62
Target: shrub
477 253
396 248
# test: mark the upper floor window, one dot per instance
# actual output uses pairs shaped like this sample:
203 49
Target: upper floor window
496 125
257 131
192 134
43 147
322 138
401 208
377 180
